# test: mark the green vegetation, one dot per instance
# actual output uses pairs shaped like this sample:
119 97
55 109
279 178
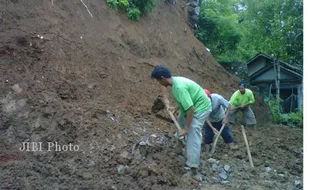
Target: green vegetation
235 30
292 118
134 14
134 8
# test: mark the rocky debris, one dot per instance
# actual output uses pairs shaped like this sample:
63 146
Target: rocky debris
226 168
16 88
223 174
124 154
214 168
298 184
87 176
268 169
188 179
21 102
154 140
224 182
91 163
198 177
212 160
121 169
112 148
215 179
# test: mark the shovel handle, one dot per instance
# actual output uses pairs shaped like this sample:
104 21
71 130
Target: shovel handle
167 105
217 138
247 146
174 120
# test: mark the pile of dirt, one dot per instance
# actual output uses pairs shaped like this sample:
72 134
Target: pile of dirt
73 77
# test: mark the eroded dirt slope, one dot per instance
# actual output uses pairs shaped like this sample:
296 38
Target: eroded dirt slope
68 77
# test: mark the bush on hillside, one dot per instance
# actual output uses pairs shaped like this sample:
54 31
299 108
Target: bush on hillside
143 6
133 13
292 118
134 8
112 4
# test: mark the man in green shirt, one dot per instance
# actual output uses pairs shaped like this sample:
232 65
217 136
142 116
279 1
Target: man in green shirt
194 105
241 101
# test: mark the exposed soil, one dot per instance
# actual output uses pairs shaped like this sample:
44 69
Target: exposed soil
68 77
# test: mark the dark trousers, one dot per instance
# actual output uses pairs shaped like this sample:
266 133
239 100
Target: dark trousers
209 134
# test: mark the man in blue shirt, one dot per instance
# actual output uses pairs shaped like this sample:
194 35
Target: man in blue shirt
216 120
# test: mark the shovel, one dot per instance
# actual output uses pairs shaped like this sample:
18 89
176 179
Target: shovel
162 102
216 139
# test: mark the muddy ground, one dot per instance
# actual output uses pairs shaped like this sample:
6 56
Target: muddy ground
67 77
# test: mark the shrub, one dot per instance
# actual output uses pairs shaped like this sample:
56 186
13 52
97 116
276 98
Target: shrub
112 4
134 8
118 4
123 4
296 118
144 5
292 118
133 13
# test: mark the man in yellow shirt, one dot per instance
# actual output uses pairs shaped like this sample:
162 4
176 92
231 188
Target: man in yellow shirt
241 101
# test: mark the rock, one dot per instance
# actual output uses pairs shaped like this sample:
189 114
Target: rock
223 175
224 182
268 183
21 102
297 182
91 163
246 167
203 163
103 75
188 179
91 85
221 169
246 176
214 167
268 169
182 158
264 175
215 180
197 177
25 184
16 88
87 176
112 148
212 160
124 131
206 179
203 172
226 168
121 169
124 154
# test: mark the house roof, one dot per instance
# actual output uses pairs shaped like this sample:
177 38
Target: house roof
286 66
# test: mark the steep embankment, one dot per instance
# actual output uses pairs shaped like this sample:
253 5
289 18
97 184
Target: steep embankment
69 77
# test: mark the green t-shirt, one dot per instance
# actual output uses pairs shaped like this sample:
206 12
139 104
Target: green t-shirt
238 99
188 93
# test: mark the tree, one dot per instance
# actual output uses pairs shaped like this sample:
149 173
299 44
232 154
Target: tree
217 27
238 29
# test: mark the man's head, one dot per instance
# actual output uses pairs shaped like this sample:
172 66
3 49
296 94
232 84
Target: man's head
207 92
162 74
241 86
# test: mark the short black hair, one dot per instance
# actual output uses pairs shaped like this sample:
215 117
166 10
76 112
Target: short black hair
241 83
160 71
